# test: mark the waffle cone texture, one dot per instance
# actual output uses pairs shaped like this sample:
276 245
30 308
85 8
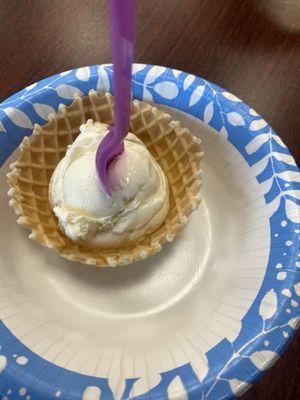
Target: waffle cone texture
176 150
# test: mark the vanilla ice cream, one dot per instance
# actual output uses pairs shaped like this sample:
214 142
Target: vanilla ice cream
140 196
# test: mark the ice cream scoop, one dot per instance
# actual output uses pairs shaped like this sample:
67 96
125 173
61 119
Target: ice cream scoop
139 200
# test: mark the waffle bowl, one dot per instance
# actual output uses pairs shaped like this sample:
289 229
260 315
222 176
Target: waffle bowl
176 150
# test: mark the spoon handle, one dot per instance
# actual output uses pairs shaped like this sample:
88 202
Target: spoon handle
122 38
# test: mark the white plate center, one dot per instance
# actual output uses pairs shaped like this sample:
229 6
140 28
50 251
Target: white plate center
185 299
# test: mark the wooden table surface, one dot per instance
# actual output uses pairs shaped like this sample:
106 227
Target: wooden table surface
249 47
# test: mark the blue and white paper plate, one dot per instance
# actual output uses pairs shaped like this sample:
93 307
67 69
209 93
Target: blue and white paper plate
200 320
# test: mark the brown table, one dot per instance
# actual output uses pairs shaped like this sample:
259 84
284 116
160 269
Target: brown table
249 47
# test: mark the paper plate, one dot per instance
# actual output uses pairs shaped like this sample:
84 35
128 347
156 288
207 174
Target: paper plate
200 320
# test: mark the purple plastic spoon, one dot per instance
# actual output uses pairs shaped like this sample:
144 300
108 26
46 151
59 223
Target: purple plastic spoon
122 35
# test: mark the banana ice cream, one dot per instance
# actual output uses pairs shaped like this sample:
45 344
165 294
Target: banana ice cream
140 196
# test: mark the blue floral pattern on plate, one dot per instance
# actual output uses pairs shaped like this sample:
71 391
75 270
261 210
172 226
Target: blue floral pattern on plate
274 315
